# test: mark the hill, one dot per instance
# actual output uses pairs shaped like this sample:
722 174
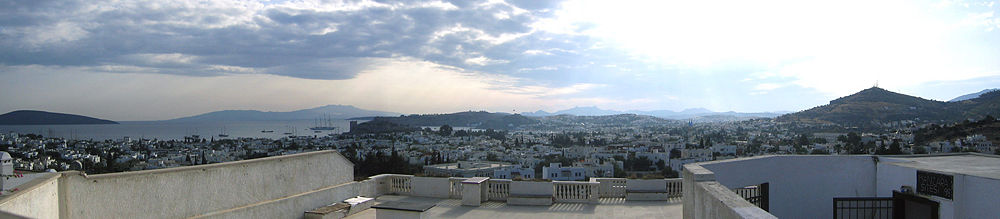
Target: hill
875 106
381 126
32 117
972 95
481 119
694 113
989 127
329 111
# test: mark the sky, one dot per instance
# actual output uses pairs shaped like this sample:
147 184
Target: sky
130 60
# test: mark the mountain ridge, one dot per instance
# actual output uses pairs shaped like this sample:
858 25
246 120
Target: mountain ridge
874 106
328 111
690 113
972 95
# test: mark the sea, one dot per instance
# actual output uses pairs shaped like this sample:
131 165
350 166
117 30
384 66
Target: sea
177 131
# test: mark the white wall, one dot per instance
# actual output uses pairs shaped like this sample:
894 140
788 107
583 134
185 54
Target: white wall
38 198
196 190
289 207
531 188
979 198
435 187
800 186
974 197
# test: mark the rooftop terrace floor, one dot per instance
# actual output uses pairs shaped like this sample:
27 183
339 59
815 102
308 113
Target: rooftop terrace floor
608 208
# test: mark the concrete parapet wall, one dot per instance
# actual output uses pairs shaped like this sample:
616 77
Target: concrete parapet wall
291 206
530 188
434 187
717 201
706 198
38 198
280 185
646 184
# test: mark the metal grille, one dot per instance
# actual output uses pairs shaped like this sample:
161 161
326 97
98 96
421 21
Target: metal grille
756 194
862 208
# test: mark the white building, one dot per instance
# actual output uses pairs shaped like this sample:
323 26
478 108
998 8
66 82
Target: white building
855 186
555 171
514 173
466 169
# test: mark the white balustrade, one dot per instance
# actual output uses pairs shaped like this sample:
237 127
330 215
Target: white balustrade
400 184
675 187
455 189
576 192
498 189
611 187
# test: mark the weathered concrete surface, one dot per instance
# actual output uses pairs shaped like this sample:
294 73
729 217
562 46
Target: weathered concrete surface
608 208
38 198
717 201
434 187
267 187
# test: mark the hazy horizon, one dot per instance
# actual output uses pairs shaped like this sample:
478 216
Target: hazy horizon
134 61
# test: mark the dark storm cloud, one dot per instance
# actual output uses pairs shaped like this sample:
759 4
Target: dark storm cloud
179 37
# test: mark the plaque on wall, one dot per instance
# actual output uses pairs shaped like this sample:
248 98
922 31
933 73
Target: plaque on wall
935 184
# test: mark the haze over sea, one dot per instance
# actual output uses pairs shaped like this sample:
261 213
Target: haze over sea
175 130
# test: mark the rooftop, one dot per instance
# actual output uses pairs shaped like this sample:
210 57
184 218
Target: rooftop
981 165
608 208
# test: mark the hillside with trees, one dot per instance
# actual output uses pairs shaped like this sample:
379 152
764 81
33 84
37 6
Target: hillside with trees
873 107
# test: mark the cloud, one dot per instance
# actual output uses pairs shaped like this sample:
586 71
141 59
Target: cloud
424 88
644 54
307 39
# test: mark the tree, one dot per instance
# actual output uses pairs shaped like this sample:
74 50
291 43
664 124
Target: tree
819 151
802 140
670 173
675 153
894 147
445 130
619 172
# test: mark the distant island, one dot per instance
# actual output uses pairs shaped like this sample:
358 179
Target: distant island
34 117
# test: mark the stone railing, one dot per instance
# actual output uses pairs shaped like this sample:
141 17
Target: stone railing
455 189
498 189
400 184
611 187
576 192
675 187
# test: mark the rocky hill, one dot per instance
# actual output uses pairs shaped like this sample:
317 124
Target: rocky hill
876 106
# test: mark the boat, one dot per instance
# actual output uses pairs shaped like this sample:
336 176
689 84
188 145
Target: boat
223 134
323 124
266 131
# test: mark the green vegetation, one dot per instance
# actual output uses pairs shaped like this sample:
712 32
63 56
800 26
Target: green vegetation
870 108
988 126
